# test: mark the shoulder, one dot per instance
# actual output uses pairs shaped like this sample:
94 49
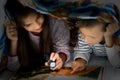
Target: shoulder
55 21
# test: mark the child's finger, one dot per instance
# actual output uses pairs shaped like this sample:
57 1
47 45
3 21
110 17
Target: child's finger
52 55
46 64
77 69
59 64
74 70
55 57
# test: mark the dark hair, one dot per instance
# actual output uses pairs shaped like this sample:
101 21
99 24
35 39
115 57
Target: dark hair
25 50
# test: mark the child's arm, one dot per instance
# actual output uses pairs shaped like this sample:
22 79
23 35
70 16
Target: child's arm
81 55
61 38
112 51
78 65
113 56
82 50
110 31
11 34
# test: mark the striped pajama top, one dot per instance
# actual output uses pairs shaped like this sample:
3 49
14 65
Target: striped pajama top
83 50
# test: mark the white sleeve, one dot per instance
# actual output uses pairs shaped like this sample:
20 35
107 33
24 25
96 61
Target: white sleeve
113 57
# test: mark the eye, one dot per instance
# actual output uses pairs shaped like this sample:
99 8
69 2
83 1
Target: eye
27 25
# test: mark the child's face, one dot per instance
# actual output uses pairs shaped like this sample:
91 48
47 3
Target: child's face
33 23
92 35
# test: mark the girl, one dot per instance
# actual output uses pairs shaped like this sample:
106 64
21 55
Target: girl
38 38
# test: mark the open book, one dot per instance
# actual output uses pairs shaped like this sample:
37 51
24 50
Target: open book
90 73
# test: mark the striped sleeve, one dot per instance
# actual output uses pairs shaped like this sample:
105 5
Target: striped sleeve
82 50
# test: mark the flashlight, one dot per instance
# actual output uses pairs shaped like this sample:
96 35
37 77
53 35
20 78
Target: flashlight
51 63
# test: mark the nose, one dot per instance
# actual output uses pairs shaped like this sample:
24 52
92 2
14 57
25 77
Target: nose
37 25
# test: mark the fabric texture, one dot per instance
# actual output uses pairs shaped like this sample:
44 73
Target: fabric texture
2 31
13 63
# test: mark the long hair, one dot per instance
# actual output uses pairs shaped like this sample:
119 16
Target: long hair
25 49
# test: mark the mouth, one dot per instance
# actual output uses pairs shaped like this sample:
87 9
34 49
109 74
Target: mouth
38 30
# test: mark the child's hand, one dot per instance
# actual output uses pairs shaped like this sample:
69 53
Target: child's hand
110 31
58 60
11 31
78 65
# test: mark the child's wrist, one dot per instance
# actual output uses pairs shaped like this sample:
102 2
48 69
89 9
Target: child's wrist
109 41
109 46
13 43
81 60
63 56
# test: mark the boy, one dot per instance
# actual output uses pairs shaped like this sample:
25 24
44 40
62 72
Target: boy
96 37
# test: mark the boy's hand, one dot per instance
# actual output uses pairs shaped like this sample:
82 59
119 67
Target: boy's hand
78 65
110 30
